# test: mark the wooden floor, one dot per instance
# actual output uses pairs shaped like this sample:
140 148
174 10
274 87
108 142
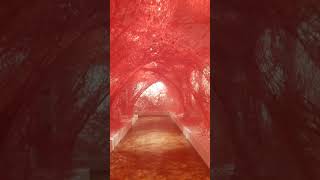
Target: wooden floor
156 149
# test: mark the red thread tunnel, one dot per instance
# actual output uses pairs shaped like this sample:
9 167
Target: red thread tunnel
160 65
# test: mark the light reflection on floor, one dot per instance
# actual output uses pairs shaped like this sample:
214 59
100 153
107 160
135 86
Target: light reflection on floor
156 149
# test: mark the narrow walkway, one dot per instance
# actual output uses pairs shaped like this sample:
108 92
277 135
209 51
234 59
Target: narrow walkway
156 149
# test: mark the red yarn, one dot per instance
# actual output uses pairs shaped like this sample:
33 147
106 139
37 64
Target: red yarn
161 41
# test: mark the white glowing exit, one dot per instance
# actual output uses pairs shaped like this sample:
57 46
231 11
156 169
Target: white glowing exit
155 89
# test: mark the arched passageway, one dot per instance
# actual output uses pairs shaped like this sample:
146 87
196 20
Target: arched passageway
160 89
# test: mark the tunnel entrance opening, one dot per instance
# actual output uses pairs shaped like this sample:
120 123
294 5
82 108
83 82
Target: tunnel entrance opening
153 101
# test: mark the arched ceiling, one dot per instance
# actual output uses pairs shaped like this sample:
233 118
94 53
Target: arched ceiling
166 40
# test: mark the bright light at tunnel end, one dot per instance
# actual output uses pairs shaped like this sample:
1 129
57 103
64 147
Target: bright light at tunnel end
155 89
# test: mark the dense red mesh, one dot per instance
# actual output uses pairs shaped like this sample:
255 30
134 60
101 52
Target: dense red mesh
161 41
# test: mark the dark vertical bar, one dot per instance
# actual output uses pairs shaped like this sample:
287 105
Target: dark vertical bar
51 54
212 99
107 149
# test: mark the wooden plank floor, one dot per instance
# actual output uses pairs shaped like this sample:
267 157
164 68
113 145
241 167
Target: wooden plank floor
156 149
